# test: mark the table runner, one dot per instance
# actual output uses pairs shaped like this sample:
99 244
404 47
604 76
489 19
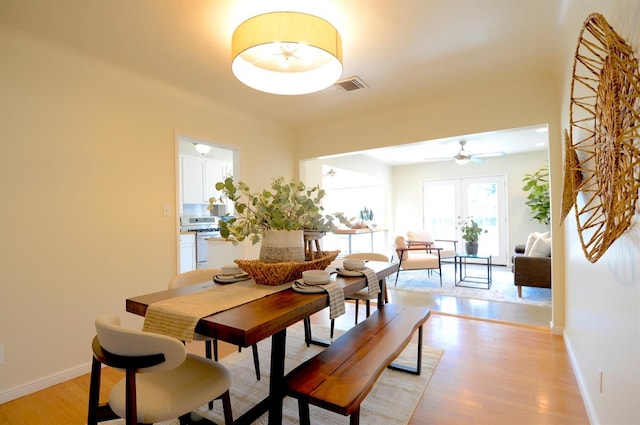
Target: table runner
178 317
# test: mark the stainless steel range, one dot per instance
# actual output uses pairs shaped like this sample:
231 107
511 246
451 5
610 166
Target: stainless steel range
204 227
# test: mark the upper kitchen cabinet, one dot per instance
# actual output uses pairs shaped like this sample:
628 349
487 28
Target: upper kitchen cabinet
199 177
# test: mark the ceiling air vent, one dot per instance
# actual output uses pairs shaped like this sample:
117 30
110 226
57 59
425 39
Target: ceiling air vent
351 84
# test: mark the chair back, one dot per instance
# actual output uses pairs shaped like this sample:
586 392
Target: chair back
419 236
399 244
192 277
129 342
371 256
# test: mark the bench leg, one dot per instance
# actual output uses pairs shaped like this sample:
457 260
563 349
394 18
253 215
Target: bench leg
418 369
303 412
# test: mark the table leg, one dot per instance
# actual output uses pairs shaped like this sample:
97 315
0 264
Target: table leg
276 380
273 402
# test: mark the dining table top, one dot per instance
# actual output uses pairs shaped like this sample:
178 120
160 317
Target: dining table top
249 323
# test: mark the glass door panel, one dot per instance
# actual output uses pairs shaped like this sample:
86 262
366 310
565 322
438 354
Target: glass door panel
483 198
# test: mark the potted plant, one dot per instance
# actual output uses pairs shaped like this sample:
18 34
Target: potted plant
364 219
470 233
287 206
537 184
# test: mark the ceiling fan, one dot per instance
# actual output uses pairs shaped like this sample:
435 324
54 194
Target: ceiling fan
464 156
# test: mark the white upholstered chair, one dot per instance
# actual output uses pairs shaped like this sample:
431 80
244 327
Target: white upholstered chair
416 238
211 344
363 294
162 380
417 257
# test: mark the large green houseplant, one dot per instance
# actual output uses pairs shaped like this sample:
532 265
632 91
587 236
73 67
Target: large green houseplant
538 200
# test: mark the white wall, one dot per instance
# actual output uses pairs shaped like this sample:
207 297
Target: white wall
602 328
87 161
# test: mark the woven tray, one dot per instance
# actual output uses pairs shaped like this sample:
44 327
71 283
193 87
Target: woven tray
273 274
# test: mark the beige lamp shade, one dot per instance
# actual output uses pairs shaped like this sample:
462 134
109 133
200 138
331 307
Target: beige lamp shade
286 53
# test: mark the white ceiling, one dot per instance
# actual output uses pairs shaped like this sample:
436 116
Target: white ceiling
402 49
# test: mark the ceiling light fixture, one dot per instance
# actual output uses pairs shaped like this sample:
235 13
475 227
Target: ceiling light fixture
286 53
202 148
461 160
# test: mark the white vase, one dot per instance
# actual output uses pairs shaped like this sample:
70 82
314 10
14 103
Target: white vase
282 245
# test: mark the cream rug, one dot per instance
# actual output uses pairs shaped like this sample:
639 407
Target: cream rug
502 287
392 400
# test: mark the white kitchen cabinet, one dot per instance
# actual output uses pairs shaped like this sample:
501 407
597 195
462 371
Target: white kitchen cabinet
187 252
198 179
213 173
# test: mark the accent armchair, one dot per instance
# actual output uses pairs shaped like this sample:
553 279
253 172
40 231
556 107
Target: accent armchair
417 238
419 257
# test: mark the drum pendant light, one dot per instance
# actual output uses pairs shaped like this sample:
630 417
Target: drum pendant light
286 53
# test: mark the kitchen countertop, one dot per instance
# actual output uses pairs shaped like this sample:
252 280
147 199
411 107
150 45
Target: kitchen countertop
218 239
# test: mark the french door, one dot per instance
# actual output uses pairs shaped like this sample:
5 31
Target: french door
447 202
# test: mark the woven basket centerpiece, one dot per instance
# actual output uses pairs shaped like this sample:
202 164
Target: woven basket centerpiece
273 274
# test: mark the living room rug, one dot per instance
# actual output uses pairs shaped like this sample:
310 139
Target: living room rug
392 400
502 287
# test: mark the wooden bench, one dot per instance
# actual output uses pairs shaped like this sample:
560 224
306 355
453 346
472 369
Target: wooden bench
340 377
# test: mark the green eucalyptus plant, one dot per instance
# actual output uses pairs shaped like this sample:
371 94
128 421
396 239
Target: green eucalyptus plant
537 184
285 206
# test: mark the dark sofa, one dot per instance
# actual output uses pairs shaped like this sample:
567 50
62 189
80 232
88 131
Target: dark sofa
530 271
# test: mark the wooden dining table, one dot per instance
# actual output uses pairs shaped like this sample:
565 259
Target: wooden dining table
270 316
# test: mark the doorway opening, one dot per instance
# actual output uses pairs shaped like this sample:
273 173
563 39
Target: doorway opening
200 165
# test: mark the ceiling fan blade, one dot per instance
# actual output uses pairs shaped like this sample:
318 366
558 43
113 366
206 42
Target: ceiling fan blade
488 154
475 158
444 158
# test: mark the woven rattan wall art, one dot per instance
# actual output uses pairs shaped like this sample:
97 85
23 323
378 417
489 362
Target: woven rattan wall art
604 133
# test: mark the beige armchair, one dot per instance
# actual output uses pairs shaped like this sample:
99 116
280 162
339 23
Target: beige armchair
417 238
422 257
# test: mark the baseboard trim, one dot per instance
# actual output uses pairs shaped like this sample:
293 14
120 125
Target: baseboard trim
586 399
46 382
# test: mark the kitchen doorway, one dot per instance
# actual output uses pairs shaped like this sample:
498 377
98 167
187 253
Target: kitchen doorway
200 165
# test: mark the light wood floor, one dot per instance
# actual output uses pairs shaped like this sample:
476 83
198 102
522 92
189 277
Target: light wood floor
490 373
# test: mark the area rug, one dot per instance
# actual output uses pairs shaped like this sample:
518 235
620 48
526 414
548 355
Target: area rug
392 401
502 287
